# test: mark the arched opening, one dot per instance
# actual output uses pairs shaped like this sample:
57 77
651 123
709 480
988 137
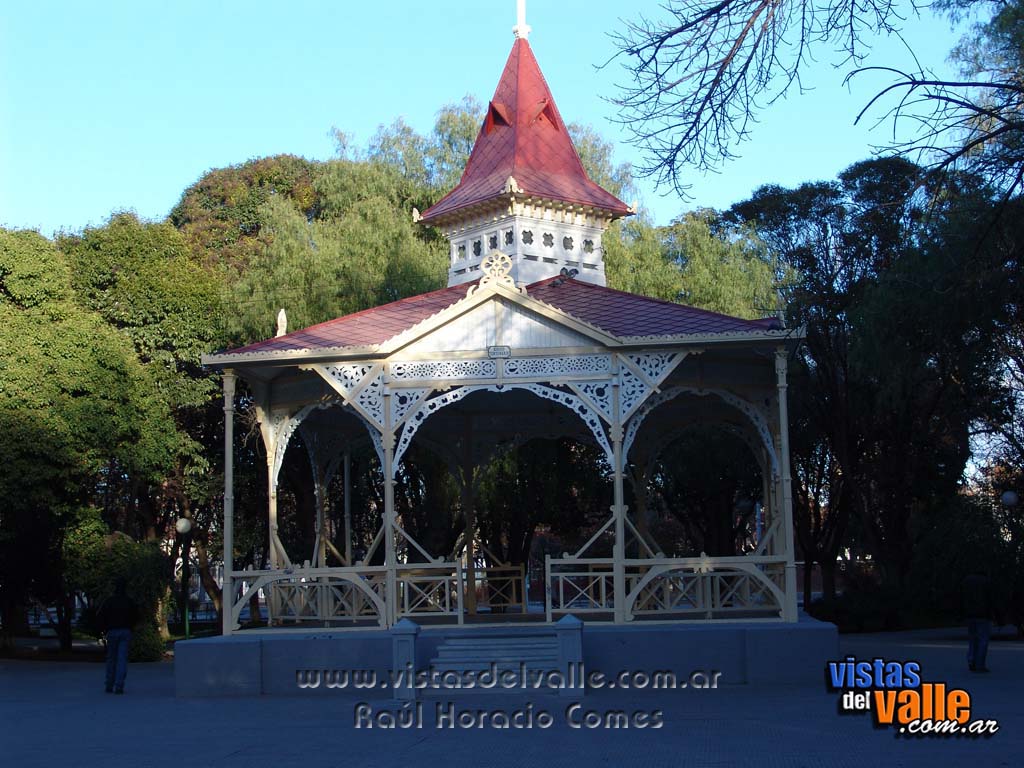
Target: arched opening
328 476
326 514
702 493
525 472
702 467
703 476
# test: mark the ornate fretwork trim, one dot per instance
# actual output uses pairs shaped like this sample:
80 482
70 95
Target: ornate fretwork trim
496 268
754 415
402 401
565 366
361 385
284 426
598 395
439 370
591 418
641 375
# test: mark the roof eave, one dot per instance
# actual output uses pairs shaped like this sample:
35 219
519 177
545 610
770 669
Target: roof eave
507 200
289 356
791 336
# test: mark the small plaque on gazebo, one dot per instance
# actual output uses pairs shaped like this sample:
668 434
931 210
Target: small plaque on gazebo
496 352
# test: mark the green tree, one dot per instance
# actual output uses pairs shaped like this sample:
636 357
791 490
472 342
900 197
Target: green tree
147 282
636 260
729 270
219 215
317 270
75 402
432 164
95 559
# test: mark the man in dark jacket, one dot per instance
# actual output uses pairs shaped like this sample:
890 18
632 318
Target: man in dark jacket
117 616
978 610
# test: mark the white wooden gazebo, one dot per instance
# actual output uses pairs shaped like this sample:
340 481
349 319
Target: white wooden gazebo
526 341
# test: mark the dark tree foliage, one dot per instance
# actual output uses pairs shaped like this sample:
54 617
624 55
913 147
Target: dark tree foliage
708 483
903 313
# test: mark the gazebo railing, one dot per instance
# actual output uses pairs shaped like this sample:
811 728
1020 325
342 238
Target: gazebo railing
702 588
315 595
502 586
706 587
580 586
427 589
694 588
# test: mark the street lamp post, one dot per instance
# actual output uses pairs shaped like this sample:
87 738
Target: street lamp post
184 528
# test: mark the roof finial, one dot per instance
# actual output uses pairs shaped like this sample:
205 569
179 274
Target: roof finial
521 30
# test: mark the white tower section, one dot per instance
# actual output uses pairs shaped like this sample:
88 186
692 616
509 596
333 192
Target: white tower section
541 238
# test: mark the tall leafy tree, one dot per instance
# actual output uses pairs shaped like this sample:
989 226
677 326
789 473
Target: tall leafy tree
724 269
75 402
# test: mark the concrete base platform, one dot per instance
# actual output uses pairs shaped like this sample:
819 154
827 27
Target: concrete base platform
271 662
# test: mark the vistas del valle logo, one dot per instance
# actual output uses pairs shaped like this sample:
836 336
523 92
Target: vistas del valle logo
897 697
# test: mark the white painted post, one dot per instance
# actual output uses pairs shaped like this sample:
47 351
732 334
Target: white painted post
781 369
227 601
403 659
320 492
619 503
469 514
547 587
390 563
275 555
569 631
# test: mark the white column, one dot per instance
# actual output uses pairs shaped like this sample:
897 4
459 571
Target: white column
470 536
227 593
619 502
469 514
781 368
275 556
390 562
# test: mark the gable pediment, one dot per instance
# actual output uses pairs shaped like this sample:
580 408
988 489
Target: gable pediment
498 322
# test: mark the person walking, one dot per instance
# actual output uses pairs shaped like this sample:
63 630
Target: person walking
978 611
117 616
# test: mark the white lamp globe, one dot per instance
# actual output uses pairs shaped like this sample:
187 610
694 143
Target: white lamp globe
183 526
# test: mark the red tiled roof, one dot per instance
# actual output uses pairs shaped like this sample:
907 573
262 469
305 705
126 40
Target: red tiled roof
523 136
361 329
628 314
618 313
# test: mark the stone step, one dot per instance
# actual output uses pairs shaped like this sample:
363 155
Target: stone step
491 654
541 665
537 651
502 647
524 642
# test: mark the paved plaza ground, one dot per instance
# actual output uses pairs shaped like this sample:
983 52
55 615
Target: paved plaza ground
56 714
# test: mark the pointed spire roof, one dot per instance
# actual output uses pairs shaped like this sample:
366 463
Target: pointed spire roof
524 147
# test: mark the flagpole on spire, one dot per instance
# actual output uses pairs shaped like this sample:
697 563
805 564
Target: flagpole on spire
521 30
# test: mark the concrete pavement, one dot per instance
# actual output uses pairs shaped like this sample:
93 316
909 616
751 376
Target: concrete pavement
56 714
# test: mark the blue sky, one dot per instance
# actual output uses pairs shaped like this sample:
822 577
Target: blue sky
111 106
